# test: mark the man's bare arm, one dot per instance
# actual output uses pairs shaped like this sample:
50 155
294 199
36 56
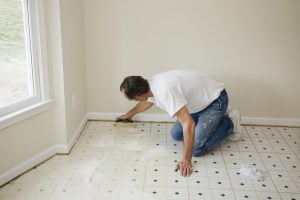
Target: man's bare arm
188 126
140 107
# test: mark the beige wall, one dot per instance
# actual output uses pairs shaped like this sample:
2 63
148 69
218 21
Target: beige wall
64 38
24 140
252 46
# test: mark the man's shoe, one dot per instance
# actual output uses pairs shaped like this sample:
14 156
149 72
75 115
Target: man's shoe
235 117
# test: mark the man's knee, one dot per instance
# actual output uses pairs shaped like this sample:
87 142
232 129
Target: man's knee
199 141
177 135
198 152
177 132
199 147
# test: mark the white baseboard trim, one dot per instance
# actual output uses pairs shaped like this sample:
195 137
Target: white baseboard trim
44 155
271 121
77 132
26 165
60 148
165 118
102 116
138 117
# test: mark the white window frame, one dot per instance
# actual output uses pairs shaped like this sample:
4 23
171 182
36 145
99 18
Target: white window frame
34 29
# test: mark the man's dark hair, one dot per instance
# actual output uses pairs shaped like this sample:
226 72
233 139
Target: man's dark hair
134 86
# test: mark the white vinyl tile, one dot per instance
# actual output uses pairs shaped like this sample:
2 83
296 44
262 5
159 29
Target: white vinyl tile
138 162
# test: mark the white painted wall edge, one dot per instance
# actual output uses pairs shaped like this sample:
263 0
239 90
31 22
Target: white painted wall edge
24 113
42 156
165 118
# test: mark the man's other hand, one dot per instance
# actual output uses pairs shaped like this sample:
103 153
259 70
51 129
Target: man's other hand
185 168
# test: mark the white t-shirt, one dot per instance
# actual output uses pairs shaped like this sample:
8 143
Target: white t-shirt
174 89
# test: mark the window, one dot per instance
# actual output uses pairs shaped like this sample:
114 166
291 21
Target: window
22 55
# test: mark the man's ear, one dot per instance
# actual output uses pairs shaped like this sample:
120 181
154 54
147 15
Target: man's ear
149 93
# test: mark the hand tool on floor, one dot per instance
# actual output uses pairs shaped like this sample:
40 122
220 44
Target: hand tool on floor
124 120
125 124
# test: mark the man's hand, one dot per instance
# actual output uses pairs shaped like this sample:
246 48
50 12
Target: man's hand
185 168
140 107
124 117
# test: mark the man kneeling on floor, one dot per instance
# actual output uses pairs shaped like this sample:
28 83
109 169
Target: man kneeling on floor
199 103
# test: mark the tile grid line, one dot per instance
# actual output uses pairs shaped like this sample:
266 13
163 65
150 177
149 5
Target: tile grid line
228 175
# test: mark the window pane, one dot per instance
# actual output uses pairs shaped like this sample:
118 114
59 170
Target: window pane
15 74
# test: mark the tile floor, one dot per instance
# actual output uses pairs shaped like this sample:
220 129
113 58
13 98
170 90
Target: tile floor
137 163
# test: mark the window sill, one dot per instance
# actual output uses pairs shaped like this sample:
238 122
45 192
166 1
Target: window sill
25 113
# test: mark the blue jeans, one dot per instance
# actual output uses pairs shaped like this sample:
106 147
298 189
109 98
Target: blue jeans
212 125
